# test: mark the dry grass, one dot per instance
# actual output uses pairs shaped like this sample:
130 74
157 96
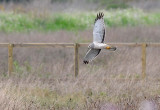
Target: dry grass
44 79
88 91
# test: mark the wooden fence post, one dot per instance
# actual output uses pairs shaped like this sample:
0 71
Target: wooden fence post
10 59
76 59
144 60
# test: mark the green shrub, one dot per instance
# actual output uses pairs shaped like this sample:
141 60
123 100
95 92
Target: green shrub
116 6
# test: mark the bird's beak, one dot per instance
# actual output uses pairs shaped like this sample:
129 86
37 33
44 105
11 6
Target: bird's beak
111 48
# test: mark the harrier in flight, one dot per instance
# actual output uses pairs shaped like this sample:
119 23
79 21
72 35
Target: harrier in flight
98 40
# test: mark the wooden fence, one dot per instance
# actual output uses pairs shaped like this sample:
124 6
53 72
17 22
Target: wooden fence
76 55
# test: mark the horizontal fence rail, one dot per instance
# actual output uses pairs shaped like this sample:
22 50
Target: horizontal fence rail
76 46
4 44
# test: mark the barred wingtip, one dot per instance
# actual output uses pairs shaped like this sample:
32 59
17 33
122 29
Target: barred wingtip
85 62
99 16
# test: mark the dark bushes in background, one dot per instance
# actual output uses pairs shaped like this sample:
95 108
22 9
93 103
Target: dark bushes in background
61 1
111 4
15 1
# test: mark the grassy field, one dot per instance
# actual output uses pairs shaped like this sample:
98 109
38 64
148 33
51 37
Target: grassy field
15 22
64 92
43 78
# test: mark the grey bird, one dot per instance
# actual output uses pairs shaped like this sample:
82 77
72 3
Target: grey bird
98 40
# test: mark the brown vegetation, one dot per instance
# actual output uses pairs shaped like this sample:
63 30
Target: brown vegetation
43 78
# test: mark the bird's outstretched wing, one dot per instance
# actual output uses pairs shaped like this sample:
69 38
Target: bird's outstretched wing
98 36
91 55
99 29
